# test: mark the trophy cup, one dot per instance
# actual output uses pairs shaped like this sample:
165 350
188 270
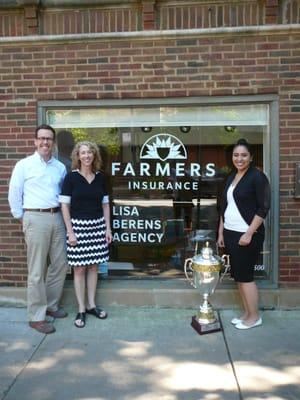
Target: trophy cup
203 272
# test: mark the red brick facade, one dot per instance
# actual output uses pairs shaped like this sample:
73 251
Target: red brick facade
196 63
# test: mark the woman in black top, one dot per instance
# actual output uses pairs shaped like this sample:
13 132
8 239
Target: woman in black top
85 208
245 204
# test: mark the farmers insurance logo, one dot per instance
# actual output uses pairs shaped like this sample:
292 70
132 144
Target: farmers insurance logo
163 147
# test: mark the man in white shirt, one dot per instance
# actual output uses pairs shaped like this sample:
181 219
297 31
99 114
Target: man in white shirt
33 198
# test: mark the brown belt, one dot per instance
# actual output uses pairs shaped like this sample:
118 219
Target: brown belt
50 210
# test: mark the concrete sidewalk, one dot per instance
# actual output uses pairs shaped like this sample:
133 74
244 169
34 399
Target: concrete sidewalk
149 354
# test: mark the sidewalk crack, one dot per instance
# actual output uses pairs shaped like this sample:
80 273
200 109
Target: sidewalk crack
6 392
230 359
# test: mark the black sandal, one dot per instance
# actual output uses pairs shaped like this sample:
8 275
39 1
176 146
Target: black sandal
97 312
80 317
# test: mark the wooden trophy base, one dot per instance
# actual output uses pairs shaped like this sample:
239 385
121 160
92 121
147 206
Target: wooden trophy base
203 329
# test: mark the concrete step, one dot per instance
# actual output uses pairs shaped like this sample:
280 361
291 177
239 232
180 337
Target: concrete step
163 293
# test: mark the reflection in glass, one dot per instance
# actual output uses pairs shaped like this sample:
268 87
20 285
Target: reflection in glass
65 145
165 184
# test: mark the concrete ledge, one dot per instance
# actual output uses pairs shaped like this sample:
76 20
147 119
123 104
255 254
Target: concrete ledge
163 293
12 297
272 29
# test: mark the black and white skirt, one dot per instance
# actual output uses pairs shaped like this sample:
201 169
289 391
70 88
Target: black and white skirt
91 245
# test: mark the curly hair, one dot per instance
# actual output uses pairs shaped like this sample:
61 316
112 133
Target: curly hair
97 162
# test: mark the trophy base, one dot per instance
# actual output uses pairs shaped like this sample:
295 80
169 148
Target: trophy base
203 329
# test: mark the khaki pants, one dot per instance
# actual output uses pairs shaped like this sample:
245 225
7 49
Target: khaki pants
45 238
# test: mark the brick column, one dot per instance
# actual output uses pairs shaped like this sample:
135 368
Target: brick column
272 11
31 20
148 14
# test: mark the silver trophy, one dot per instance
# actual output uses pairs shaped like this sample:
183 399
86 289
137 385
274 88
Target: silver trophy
203 272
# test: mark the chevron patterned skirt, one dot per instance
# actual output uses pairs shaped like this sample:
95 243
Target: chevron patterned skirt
91 245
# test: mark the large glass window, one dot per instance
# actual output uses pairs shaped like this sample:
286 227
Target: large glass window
166 167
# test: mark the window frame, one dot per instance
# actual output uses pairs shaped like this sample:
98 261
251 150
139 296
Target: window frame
270 150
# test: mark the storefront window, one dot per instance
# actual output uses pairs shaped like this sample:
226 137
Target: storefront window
166 168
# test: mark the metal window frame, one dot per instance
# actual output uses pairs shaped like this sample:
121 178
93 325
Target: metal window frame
271 148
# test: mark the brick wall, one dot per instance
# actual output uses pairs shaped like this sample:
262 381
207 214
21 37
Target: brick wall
138 68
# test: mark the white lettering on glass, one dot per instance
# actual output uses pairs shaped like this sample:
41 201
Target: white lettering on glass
163 170
129 170
131 230
143 169
259 267
137 237
125 210
210 170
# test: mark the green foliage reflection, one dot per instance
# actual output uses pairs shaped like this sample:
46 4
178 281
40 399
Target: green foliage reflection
107 137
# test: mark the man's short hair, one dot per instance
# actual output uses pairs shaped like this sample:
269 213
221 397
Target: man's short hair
45 126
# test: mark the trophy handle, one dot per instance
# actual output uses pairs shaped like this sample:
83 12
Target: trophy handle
226 261
188 270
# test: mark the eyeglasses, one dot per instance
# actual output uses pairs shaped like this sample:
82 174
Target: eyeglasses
43 139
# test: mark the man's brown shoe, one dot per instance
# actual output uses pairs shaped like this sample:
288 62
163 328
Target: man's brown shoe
60 313
42 326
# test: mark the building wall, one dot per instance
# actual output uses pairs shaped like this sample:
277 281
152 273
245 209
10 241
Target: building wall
208 63
46 18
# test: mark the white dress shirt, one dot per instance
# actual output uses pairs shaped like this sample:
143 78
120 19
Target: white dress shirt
35 183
